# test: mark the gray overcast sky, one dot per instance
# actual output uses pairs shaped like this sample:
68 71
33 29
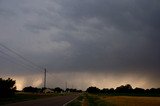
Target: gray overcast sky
83 42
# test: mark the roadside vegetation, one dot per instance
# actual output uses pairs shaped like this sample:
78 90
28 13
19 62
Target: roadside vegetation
123 95
7 88
125 90
95 100
88 99
9 94
21 96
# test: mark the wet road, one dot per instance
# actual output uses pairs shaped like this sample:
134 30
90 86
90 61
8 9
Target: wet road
53 101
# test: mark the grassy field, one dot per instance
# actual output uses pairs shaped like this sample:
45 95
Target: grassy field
132 101
21 96
99 100
86 99
89 100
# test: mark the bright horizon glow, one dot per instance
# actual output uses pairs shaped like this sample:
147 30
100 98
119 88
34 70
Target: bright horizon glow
102 43
83 81
21 82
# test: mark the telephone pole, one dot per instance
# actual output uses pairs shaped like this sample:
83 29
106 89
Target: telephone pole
66 84
45 78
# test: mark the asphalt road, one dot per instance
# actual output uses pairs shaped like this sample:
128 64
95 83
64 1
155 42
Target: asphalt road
53 101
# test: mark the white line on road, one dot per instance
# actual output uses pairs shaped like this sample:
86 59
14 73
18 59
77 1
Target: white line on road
70 101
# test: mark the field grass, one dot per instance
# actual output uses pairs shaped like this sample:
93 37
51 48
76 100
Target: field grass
101 100
132 100
86 99
95 100
89 100
21 96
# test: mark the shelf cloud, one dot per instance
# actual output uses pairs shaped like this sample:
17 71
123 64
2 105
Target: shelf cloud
87 37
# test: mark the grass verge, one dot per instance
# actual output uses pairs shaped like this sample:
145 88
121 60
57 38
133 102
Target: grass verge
95 100
25 97
86 99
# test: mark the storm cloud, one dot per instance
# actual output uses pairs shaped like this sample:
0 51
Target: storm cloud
89 37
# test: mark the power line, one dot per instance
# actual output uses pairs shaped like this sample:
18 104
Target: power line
15 62
20 56
13 59
52 75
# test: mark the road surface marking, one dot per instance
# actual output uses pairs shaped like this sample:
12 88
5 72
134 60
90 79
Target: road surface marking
70 101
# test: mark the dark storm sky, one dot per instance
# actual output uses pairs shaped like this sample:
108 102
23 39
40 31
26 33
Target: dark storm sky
119 38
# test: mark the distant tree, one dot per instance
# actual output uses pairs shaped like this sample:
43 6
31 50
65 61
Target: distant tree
124 89
138 91
79 91
111 90
67 90
7 87
154 91
93 90
58 90
105 90
31 89
72 90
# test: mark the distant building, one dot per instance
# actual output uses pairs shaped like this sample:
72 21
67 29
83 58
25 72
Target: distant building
48 90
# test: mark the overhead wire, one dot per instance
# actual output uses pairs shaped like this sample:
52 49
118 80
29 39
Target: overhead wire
20 56
14 61
21 60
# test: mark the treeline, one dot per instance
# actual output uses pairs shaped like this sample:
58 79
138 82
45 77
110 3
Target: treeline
125 90
48 90
8 89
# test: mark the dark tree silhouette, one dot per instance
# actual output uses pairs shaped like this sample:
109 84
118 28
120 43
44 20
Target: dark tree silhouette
105 90
93 90
139 91
72 90
58 90
154 91
124 89
111 90
31 89
7 87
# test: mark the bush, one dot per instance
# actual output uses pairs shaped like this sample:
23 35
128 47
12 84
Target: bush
58 90
124 89
7 87
93 90
31 89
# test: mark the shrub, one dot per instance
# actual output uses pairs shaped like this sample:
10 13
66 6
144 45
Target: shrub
7 87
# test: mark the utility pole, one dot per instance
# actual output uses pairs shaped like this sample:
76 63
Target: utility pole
66 84
45 78
72 86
